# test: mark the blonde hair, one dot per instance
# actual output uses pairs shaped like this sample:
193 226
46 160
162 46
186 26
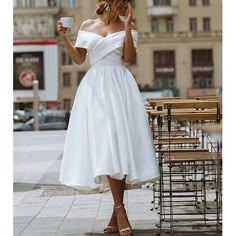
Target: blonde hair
103 5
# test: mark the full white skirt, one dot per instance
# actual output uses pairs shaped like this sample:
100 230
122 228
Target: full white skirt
108 132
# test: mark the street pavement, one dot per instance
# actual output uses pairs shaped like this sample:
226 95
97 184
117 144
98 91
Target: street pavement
42 206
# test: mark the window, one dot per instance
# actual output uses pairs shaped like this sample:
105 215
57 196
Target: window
206 24
192 2
26 4
193 24
202 68
66 59
66 79
67 104
155 24
202 81
36 3
169 25
52 3
81 75
202 57
164 64
58 2
161 2
205 2
164 58
71 3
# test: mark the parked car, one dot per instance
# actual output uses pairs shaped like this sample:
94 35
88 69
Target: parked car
21 116
48 120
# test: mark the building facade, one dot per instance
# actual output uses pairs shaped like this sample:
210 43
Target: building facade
35 52
179 49
180 45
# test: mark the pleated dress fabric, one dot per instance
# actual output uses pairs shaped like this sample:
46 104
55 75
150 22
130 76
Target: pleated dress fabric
108 132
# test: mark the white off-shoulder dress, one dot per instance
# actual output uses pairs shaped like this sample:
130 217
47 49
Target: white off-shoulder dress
108 132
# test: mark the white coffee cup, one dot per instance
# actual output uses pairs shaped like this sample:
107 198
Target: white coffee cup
67 21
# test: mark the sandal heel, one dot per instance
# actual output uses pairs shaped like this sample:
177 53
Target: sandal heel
125 231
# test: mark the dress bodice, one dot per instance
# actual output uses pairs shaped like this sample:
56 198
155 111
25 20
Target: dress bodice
109 48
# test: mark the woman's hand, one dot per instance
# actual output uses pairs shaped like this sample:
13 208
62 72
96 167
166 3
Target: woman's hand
128 16
60 29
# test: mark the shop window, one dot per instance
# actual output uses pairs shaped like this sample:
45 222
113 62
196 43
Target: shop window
202 68
164 66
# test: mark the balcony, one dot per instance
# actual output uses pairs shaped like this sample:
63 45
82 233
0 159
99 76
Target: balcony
180 36
161 8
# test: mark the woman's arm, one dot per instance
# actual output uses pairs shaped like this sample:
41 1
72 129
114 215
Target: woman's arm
129 52
78 55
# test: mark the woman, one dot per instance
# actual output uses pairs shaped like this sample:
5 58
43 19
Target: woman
108 139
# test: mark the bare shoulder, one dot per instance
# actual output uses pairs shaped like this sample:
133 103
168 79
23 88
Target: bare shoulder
86 24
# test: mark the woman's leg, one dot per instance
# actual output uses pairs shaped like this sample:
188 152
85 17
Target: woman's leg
118 189
118 195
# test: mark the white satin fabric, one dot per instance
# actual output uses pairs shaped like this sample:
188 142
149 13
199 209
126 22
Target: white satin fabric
108 132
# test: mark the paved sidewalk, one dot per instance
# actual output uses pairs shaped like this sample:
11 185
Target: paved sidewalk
82 214
44 207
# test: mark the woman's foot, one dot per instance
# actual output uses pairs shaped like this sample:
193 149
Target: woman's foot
112 227
123 222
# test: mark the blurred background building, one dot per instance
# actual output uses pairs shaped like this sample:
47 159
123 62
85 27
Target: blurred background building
179 51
